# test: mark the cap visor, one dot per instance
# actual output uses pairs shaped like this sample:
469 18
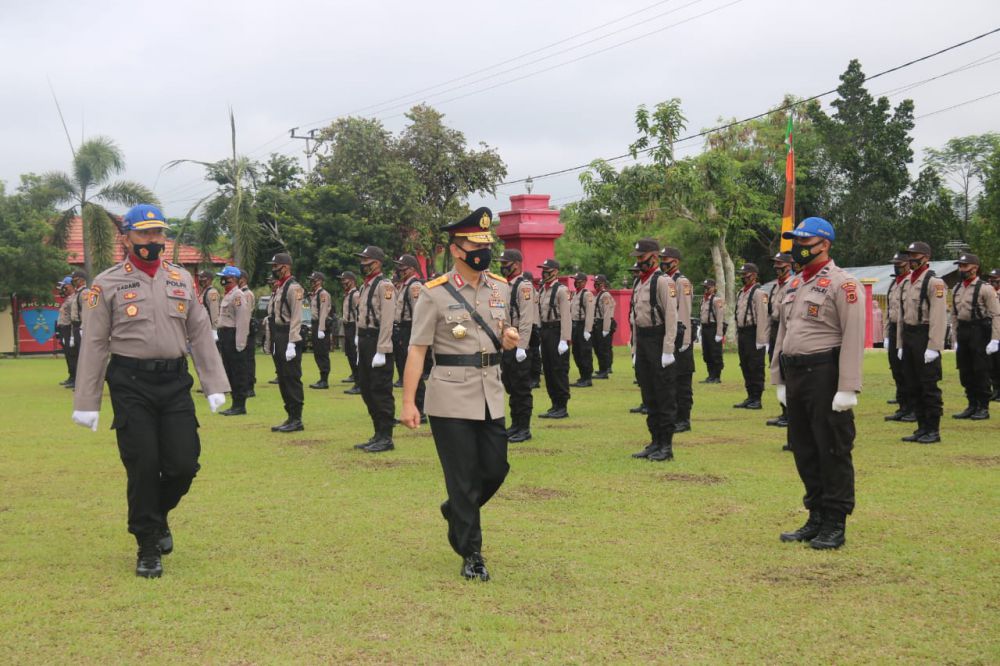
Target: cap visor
477 237
142 225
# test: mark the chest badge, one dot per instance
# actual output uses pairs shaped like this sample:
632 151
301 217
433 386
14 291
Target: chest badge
181 307
132 310
129 295
459 332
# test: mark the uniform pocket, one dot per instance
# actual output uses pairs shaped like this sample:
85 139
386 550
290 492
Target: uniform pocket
815 305
842 432
448 373
178 307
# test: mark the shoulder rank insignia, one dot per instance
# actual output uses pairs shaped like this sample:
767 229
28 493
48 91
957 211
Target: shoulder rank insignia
823 282
496 277
437 282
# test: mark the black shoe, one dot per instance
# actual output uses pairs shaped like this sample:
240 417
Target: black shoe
663 453
397 384
165 542
234 411
917 434
706 380
147 560
716 380
473 567
251 394
293 425
354 390
380 445
682 426
280 425
832 533
274 381
807 532
522 435
364 445
641 409
347 380
583 383
535 384
70 385
892 402
600 375
778 421
446 510
555 413
645 453
929 438
965 413
321 384
786 447
742 405
753 404
896 415
909 417
981 414
65 381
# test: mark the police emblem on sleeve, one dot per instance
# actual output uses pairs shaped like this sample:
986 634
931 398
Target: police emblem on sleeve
93 296
388 293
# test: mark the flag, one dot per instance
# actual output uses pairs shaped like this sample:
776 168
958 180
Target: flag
788 216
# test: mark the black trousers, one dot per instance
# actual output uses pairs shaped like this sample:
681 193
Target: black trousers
517 382
821 439
73 353
751 362
473 457
535 352
555 366
158 442
583 352
973 361
321 351
350 350
289 372
711 352
995 374
922 378
251 354
376 385
398 353
896 368
603 349
658 386
401 350
684 376
235 363
62 334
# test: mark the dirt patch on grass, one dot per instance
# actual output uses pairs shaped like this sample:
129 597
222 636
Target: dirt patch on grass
534 450
308 443
383 463
696 479
978 461
528 493
831 573
566 426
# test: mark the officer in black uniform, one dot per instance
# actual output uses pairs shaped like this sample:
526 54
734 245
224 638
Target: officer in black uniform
901 272
515 366
349 282
321 306
251 348
376 308
975 319
285 323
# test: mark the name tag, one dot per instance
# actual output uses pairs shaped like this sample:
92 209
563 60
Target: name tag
455 306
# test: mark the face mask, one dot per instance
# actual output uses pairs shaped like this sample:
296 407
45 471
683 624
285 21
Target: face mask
548 275
748 278
915 264
479 260
367 269
781 271
803 253
276 272
506 269
897 270
148 251
965 275
646 264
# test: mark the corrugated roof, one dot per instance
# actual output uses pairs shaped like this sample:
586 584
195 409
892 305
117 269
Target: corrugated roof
189 256
884 273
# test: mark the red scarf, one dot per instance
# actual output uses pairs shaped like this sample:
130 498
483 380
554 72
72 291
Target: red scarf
917 273
147 267
810 271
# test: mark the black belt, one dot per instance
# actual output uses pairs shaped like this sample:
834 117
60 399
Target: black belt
482 360
368 332
975 322
650 331
551 324
405 324
807 360
916 327
751 327
150 364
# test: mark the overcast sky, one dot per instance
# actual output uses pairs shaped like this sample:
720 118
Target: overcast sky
160 77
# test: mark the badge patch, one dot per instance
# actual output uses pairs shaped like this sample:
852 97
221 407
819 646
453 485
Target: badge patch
764 299
673 291
852 296
795 283
939 291
213 296
238 302
93 297
687 290
458 332
388 293
181 307
129 295
526 293
174 275
415 290
813 310
132 310
823 282
459 281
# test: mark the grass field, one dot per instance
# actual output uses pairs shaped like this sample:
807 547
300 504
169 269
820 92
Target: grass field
300 549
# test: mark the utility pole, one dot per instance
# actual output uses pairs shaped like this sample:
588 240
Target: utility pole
312 144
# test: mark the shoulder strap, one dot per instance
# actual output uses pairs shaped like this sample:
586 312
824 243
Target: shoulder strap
711 309
407 302
654 298
977 312
368 306
923 296
552 299
286 308
749 308
476 317
515 305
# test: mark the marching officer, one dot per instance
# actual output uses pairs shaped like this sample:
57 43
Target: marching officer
321 307
234 330
713 331
349 282
604 327
752 326
251 345
782 263
284 322
975 319
465 391
376 307
80 294
535 343
670 261
408 269
515 367
919 342
143 313
901 271
210 300
655 334
582 307
995 358
555 318
64 327
817 370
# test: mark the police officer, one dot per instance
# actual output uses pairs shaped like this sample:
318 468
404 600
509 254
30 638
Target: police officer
376 307
408 269
670 261
975 319
464 392
634 272
713 331
321 307
251 345
144 313
817 369
267 330
782 263
654 336
234 330
556 322
210 300
64 326
349 282
604 327
901 272
515 367
535 343
80 294
919 342
752 329
582 307
995 358
284 321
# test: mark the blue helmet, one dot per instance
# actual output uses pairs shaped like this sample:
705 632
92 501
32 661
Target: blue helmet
144 216
810 227
66 280
230 271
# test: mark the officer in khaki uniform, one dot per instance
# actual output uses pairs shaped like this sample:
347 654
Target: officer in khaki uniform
251 344
604 327
557 329
654 336
582 305
234 329
535 343
210 300
349 282
919 342
713 331
284 323
516 367
376 308
783 272
975 319
406 300
80 294
753 331
144 313
321 307
995 358
464 316
817 369
901 270
64 326
670 261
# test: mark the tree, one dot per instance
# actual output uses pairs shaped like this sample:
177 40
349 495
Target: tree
926 213
87 190
963 161
29 264
985 229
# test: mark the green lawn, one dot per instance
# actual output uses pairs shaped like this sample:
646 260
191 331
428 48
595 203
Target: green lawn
300 549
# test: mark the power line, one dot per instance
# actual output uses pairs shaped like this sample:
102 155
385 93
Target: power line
960 104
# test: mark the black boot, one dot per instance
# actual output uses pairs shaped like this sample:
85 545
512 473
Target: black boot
897 415
966 413
917 434
664 452
645 453
641 409
238 407
683 426
909 417
832 533
808 531
165 540
474 567
365 445
147 560
292 425
982 412
354 390
347 380
383 442
321 384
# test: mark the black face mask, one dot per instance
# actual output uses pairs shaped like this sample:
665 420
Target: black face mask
367 269
803 253
898 269
915 264
148 251
646 264
548 275
781 271
749 278
479 260
276 272
965 275
506 269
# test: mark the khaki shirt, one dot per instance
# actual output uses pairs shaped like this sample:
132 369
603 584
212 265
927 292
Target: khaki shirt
582 308
666 300
64 310
989 305
933 311
406 300
824 312
559 310
685 303
713 315
774 300
605 310
892 304
290 315
382 295
76 305
523 313
131 314
234 312
754 314
210 299
445 326
350 307
320 304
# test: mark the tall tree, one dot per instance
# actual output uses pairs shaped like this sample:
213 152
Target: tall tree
963 162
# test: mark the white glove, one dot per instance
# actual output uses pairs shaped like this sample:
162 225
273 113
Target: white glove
215 400
718 338
215 335
954 346
666 359
763 346
563 347
378 360
321 335
606 333
520 354
845 400
684 348
290 351
930 355
586 336
72 340
899 353
885 343
86 419
993 347
633 360
355 341
782 394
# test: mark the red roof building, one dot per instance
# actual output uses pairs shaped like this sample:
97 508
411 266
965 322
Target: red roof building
190 257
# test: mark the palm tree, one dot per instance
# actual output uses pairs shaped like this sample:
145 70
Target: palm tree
87 191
